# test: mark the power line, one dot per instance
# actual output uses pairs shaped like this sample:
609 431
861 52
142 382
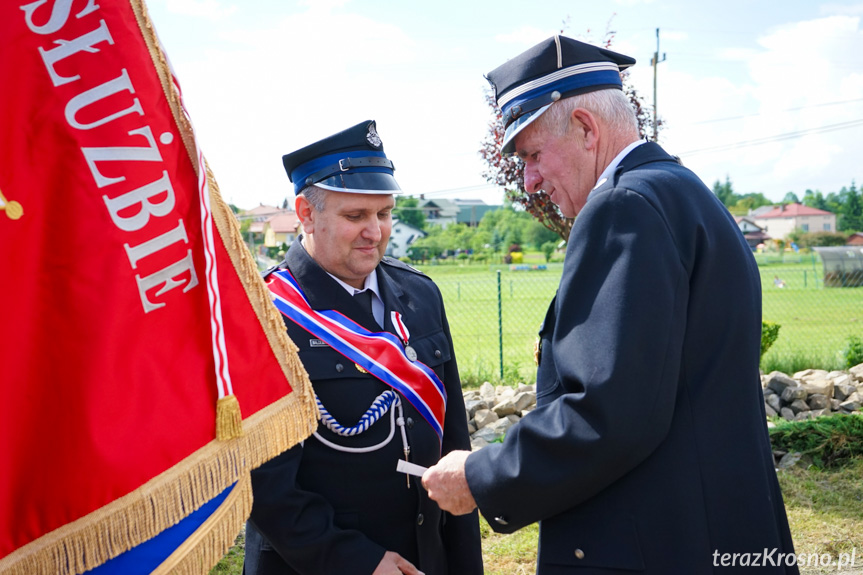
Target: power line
823 104
776 138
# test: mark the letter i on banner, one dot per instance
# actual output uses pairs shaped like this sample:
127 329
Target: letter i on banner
135 322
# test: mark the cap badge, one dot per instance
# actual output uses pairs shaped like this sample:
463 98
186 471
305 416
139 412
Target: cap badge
373 137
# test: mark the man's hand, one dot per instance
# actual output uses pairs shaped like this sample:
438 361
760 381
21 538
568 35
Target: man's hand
395 564
446 484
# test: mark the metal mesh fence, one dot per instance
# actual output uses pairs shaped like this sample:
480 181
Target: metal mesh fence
495 314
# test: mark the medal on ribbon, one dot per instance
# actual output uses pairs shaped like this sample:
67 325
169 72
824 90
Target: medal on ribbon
404 334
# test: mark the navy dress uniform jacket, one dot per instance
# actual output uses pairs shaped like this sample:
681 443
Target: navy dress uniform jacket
648 450
318 511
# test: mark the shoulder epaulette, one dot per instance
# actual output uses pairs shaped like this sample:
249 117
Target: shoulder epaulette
401 265
269 270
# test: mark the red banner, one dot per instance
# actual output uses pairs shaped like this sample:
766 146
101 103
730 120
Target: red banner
130 307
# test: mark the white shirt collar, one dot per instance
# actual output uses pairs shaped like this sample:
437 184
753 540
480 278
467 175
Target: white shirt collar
370 283
610 168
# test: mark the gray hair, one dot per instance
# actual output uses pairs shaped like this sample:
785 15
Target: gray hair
612 107
316 196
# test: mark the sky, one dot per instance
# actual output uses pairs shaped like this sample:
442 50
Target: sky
768 94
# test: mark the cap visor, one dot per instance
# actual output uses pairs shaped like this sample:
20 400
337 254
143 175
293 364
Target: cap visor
361 183
508 146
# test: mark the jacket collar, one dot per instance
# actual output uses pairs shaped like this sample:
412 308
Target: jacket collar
643 154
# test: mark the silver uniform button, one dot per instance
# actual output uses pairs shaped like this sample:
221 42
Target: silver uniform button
340 368
579 554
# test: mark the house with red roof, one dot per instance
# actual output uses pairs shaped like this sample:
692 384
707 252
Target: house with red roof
281 228
785 218
752 232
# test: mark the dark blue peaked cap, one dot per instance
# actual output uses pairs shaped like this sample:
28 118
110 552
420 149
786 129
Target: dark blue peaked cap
556 68
351 161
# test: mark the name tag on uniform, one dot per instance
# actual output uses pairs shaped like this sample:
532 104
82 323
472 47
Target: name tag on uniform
318 343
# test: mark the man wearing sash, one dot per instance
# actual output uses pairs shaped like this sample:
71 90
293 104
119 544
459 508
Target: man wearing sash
373 335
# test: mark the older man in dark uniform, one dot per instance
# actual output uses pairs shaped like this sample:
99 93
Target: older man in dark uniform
648 451
373 336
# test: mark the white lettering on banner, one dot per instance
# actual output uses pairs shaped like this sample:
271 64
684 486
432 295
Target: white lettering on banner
150 247
140 199
59 15
66 48
133 210
101 92
167 277
122 154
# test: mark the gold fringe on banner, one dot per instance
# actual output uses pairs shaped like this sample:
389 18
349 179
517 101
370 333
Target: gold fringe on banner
214 537
166 499
229 421
172 495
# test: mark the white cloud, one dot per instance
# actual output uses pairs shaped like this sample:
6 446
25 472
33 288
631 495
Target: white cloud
834 9
796 69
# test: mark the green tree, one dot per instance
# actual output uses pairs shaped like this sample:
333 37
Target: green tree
536 234
814 199
548 249
851 217
751 201
790 198
725 192
407 210
818 239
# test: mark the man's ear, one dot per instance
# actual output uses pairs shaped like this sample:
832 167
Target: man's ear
587 126
305 212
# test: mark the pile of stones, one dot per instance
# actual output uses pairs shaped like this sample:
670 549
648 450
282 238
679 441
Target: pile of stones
492 410
812 392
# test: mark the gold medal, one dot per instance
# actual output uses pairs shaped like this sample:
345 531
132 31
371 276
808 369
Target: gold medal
360 368
537 350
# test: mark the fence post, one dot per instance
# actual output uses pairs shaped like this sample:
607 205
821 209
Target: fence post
804 278
500 325
814 271
458 288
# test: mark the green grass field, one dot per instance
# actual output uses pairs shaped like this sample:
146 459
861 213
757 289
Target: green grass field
816 321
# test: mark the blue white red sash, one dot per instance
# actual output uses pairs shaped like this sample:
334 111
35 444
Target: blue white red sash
379 353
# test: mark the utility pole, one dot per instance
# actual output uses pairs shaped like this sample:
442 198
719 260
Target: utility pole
655 63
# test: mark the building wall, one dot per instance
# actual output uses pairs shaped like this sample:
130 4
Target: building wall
401 237
779 228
